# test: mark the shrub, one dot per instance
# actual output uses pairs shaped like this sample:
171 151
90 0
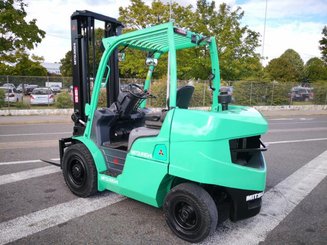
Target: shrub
64 100
261 93
102 102
202 95
2 98
22 105
320 93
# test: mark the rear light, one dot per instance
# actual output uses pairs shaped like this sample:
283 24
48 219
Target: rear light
32 97
11 95
75 94
51 96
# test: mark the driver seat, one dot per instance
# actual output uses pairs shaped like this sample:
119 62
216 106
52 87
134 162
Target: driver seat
154 120
183 99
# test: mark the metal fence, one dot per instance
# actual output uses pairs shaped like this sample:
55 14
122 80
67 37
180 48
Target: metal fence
243 92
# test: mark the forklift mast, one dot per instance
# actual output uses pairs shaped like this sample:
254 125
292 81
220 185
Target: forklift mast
84 45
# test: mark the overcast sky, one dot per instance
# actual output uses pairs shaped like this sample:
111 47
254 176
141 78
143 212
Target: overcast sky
295 24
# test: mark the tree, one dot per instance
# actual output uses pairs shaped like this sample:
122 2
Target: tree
26 66
236 44
66 65
16 34
323 44
287 68
315 69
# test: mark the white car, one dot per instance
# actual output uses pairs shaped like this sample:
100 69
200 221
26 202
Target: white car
11 94
42 96
55 88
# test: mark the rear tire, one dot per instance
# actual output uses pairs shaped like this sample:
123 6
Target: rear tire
79 170
190 212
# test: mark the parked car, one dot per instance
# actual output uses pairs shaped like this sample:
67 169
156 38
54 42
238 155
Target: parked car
42 96
11 94
229 90
29 88
301 93
55 88
20 87
8 85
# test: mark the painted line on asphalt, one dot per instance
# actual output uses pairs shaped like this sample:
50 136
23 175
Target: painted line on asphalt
303 122
294 141
297 130
28 174
27 161
28 144
32 223
33 134
278 202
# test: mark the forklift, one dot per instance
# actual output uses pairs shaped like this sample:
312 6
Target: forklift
187 161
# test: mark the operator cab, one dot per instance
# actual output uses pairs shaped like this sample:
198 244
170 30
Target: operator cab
124 121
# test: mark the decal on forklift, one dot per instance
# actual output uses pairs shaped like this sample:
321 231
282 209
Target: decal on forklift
254 196
109 179
141 154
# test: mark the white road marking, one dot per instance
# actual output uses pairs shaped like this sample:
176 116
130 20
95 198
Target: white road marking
283 119
28 174
278 202
302 122
33 134
27 161
32 223
319 129
294 141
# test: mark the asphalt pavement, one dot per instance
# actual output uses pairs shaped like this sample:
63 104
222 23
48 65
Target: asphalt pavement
37 207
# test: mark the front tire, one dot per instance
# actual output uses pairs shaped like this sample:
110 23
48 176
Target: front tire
190 212
79 170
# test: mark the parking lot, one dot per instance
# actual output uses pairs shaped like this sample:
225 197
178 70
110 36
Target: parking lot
36 207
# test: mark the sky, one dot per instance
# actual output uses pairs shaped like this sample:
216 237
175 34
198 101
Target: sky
295 24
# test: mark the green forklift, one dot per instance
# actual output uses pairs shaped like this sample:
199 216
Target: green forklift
187 161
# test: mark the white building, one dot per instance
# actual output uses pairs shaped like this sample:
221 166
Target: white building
52 68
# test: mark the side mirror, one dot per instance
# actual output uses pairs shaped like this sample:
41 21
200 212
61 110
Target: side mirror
151 61
121 56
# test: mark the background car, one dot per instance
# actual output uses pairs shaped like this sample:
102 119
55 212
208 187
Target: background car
8 85
55 88
11 94
20 87
42 96
29 88
301 93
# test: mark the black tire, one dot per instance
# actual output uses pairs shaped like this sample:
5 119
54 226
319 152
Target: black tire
79 170
190 212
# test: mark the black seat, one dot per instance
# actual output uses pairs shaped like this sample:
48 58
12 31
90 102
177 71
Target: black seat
183 99
183 96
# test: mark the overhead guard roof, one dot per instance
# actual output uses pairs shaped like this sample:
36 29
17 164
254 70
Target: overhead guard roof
156 38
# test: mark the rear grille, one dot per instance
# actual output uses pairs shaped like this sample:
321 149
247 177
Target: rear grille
247 151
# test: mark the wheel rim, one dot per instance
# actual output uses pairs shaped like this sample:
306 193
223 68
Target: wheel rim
77 172
186 216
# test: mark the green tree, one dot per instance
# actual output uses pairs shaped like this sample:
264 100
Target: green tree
323 44
236 44
315 69
26 66
66 65
16 34
287 68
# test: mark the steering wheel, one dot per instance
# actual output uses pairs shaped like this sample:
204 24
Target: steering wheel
137 91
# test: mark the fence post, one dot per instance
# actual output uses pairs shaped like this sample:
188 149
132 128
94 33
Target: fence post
251 93
272 93
204 93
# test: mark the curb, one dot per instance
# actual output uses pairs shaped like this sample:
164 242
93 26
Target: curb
285 108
